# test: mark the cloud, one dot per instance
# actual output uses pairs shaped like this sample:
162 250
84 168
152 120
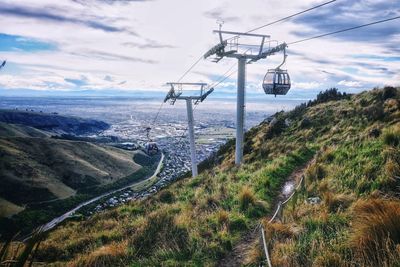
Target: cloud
111 56
110 2
341 15
351 83
77 82
218 14
94 38
40 14
306 85
149 44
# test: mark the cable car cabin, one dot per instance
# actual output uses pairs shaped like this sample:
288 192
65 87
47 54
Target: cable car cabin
276 82
151 148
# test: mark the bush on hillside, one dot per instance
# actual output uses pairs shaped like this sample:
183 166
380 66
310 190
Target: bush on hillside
374 112
328 95
166 196
389 92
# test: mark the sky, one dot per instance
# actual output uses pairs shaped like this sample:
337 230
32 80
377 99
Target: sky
139 45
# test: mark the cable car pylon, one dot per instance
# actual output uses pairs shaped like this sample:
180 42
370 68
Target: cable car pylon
245 53
177 93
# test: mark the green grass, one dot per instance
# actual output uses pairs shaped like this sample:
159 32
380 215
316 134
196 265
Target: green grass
197 221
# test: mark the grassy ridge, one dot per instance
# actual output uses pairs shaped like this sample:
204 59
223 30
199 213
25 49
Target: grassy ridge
195 222
357 179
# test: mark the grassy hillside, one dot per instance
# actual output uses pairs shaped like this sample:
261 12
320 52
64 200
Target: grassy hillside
36 168
53 122
354 141
15 130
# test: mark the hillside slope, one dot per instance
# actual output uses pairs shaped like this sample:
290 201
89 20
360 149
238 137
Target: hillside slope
354 141
53 122
35 168
15 130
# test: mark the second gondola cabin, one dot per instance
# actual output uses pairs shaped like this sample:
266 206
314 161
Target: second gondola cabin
151 148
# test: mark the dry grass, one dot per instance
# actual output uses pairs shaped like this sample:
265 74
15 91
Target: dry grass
246 197
376 231
284 254
391 136
159 227
223 218
254 254
278 231
337 202
329 259
113 254
314 172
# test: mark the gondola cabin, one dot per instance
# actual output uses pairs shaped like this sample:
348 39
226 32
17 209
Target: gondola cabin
276 82
151 148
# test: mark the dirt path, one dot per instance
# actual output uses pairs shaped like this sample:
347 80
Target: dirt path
238 254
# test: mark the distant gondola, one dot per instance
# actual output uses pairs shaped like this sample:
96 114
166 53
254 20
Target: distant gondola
151 147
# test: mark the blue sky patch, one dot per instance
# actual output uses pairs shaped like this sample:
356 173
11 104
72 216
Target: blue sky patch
378 58
20 43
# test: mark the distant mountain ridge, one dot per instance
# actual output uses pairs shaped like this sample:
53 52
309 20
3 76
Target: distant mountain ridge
54 123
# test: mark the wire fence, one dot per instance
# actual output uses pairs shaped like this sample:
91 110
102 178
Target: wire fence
278 213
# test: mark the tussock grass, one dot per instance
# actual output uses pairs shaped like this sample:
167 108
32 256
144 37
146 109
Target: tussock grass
160 228
114 254
376 231
391 136
337 202
246 198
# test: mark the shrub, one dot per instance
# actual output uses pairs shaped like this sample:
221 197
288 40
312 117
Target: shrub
258 209
389 92
328 95
237 223
298 111
375 132
305 123
246 198
166 196
391 136
376 230
374 112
